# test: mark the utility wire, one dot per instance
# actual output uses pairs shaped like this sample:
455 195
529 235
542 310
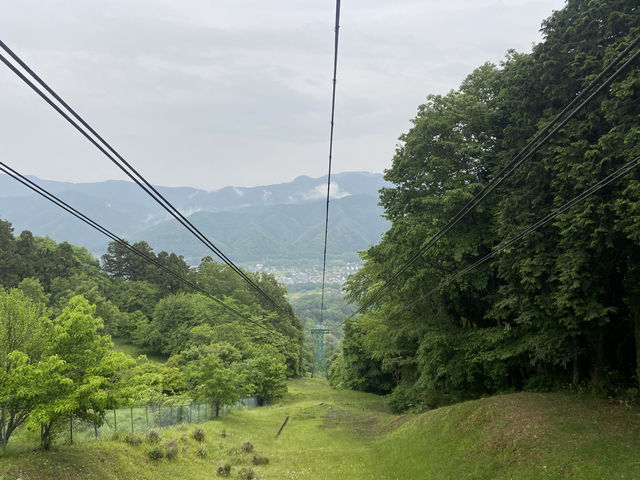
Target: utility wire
534 144
333 110
80 216
121 163
626 168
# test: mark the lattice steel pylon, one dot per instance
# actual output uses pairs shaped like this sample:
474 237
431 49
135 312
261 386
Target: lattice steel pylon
319 362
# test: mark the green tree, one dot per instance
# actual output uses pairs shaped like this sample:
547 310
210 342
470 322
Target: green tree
80 366
12 265
214 380
23 333
265 374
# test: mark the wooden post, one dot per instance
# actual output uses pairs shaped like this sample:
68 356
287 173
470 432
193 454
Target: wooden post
282 427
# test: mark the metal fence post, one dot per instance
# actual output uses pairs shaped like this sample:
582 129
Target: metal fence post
146 415
115 421
71 428
131 419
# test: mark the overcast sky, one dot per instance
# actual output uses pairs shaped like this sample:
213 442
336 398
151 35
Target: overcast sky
209 93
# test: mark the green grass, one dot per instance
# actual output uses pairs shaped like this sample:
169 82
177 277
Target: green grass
348 435
123 345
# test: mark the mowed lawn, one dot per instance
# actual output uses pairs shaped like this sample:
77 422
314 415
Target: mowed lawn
349 435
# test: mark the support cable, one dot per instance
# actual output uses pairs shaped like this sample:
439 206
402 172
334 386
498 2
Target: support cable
82 217
102 145
626 168
333 110
534 144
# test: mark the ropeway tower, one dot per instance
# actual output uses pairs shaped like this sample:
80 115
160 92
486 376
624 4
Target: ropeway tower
319 368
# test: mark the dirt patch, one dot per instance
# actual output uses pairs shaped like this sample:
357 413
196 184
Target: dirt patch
513 421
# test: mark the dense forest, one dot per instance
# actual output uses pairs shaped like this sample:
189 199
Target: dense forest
60 309
559 308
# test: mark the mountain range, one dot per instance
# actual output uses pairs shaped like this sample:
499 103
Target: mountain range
272 224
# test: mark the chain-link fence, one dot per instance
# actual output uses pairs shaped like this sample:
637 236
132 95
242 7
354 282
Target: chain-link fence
142 419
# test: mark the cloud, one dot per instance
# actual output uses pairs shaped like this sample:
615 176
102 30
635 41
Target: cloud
320 191
211 94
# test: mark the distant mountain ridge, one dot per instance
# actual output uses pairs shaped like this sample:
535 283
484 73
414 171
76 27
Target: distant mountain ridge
263 224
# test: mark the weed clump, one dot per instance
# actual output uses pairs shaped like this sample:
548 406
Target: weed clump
172 452
155 454
223 434
132 439
258 460
153 437
224 470
247 447
198 435
246 474
202 452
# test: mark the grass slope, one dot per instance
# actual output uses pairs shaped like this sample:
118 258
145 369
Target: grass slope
347 435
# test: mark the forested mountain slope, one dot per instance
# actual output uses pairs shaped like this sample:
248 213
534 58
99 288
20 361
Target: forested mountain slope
256 224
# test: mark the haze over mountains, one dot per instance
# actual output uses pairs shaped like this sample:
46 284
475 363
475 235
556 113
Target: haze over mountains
281 224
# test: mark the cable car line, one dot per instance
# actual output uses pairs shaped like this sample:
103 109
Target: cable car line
80 216
121 163
333 111
626 168
534 144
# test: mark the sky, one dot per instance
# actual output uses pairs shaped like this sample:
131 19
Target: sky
210 93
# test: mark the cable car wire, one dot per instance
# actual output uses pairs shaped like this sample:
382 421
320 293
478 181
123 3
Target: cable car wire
626 168
333 111
534 144
82 217
121 163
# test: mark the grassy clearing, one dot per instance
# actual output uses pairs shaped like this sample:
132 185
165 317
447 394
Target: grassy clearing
343 434
123 345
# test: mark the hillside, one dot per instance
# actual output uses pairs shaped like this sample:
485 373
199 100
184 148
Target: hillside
272 223
278 233
345 434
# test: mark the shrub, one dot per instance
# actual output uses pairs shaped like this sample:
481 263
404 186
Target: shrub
246 474
172 443
155 453
153 437
172 452
224 470
258 460
247 447
198 435
202 452
132 439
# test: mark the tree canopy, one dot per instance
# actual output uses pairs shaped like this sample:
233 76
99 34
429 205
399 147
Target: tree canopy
556 308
